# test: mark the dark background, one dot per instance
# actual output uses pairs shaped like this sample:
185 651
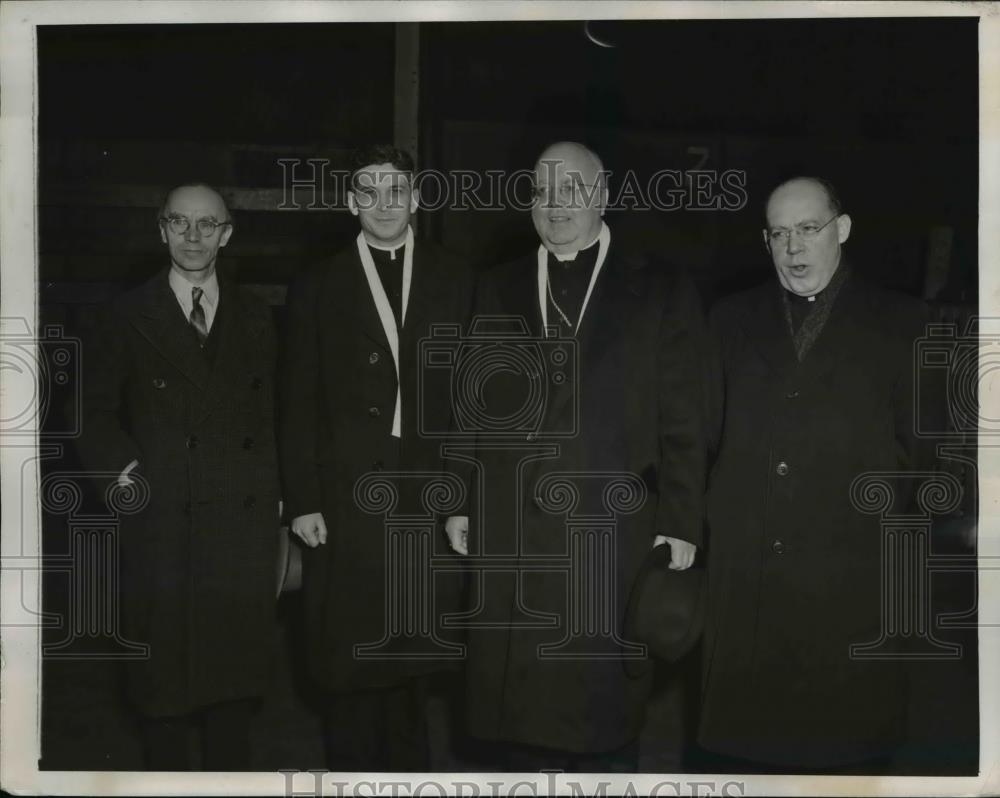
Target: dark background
887 109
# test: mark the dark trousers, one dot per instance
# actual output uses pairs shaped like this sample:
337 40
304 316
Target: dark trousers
170 743
378 730
518 758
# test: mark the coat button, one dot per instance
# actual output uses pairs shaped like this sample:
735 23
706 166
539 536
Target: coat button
373 358
377 465
249 502
191 442
782 469
778 547
256 382
374 412
531 436
248 443
792 395
159 382
538 502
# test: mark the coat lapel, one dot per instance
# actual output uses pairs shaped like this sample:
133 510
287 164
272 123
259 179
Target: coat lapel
427 294
605 316
238 332
842 336
519 296
159 318
366 316
767 331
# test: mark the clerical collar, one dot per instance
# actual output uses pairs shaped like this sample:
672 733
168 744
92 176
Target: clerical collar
572 255
391 250
802 300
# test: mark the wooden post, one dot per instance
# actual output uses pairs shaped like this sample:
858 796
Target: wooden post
407 90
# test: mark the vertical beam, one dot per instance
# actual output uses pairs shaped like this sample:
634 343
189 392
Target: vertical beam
407 87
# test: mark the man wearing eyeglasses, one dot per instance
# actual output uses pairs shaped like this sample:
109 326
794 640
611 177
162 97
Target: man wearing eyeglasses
632 411
178 403
812 387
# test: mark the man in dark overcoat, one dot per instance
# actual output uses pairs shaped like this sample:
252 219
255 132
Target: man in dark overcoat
616 447
178 396
352 408
813 387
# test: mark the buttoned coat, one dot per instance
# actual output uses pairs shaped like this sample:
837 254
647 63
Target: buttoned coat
619 445
338 398
198 561
794 564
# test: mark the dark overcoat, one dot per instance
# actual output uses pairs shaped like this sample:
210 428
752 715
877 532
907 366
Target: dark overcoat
794 565
545 660
198 562
338 397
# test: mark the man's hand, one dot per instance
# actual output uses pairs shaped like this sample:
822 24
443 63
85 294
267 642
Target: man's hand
457 530
310 528
681 552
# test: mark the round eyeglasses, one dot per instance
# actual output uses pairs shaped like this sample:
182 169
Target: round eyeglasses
181 224
806 231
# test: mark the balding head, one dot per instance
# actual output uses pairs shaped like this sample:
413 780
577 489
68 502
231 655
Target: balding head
186 210
572 195
807 182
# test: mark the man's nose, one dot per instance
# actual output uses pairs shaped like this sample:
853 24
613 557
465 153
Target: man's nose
192 234
794 244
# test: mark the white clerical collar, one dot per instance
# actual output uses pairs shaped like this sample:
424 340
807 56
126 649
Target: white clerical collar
565 256
391 250
604 239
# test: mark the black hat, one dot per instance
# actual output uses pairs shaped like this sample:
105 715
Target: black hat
289 566
666 609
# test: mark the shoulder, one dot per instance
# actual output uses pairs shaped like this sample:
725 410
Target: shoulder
510 271
316 277
896 314
735 308
445 265
133 301
252 303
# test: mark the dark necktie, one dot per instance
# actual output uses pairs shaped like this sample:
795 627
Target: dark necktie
198 315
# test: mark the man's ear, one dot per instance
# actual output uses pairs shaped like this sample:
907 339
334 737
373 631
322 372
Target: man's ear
843 228
352 203
414 200
227 233
767 240
163 233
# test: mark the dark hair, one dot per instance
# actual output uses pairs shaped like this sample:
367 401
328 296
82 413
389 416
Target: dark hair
195 184
379 154
832 197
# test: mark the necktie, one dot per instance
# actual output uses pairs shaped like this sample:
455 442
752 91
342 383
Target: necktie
198 315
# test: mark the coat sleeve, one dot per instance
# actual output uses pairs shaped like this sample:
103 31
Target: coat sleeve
299 402
105 444
681 354
477 295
